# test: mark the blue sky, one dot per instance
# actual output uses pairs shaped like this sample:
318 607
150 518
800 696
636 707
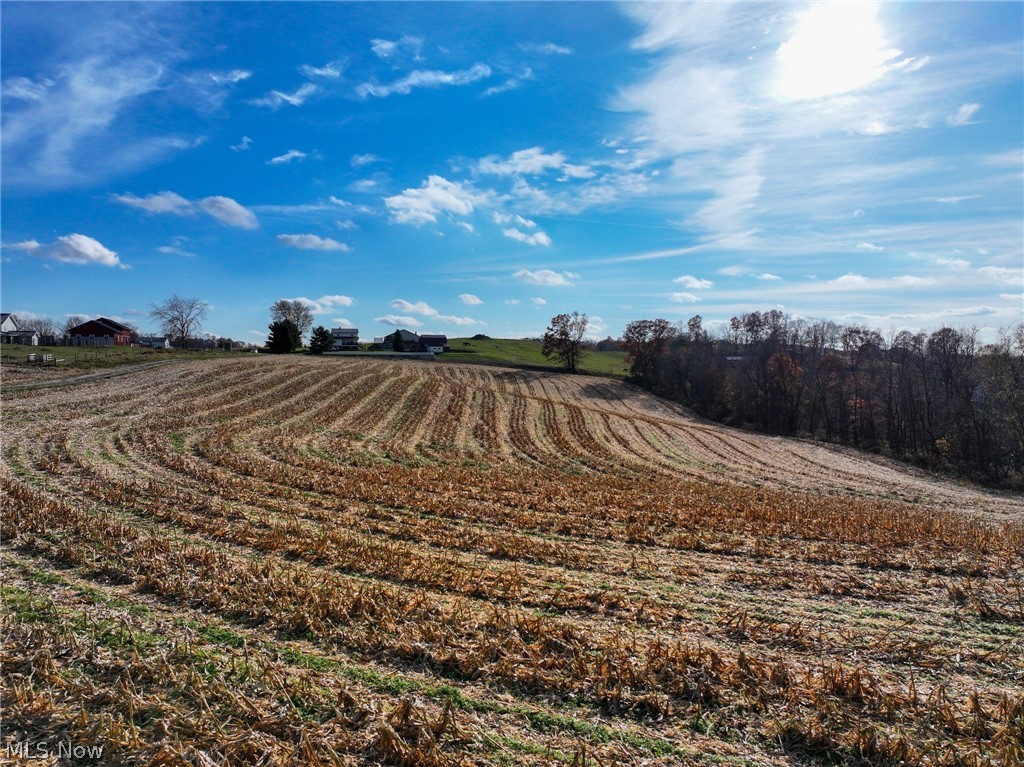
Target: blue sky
480 167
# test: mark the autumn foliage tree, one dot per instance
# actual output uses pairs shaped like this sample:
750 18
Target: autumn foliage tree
563 339
645 341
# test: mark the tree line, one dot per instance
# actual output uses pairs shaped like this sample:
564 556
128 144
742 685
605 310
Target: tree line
941 399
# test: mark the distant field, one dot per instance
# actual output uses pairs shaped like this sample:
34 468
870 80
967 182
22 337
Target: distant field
70 361
326 561
506 351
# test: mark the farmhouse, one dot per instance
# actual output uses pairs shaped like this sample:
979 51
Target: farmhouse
436 344
100 332
154 342
13 333
414 343
345 339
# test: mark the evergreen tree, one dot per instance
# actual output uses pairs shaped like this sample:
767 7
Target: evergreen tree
399 342
284 337
321 341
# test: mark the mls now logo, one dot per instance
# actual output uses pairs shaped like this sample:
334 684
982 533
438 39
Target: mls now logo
64 750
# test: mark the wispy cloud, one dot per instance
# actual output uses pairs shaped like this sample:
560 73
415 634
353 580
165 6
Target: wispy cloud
547 48
362 160
276 99
426 310
311 242
398 321
546 277
224 209
533 239
425 78
229 212
289 156
163 202
469 299
964 115
331 70
532 161
324 304
407 45
684 298
693 283
242 145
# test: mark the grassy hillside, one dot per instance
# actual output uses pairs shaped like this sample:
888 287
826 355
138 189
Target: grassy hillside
525 351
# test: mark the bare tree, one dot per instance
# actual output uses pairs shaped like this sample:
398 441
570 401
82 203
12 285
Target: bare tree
44 326
72 321
179 317
563 339
298 312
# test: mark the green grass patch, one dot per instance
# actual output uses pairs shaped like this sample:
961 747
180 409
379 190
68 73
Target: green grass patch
526 351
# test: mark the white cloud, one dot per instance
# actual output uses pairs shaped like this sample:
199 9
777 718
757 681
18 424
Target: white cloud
964 115
277 99
870 246
311 242
512 301
504 218
548 48
545 277
537 238
164 202
736 191
27 245
1002 275
953 263
694 283
837 47
437 195
684 298
324 304
911 281
397 321
73 249
466 225
768 276
331 70
287 157
469 299
224 209
538 301
229 212
342 322
425 79
242 145
388 49
361 160
531 162
425 309
734 271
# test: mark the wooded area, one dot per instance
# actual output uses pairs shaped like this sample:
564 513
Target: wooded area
942 400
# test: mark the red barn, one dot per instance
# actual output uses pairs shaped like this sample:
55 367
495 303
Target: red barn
100 332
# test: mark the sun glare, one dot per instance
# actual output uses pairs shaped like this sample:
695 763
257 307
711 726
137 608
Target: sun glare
837 47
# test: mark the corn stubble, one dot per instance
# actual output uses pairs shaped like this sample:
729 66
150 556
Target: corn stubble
298 561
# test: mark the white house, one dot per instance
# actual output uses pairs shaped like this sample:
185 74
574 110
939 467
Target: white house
345 339
154 342
11 332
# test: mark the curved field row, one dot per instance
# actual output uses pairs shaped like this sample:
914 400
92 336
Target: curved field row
548 551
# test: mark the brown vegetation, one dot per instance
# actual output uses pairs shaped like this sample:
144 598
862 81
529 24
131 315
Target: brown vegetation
308 561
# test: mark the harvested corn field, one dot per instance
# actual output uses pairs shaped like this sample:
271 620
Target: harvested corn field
321 561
